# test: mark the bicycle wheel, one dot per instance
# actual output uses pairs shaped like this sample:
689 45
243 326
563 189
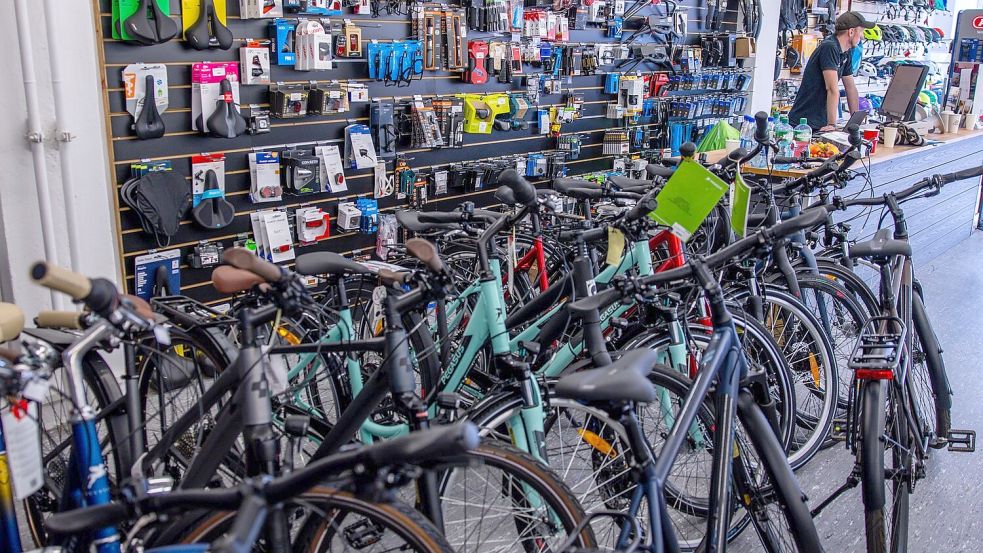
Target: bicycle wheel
885 506
928 384
502 499
770 492
321 520
861 283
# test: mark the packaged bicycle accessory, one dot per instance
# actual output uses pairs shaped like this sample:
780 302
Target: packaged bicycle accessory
477 72
143 21
327 99
288 101
258 122
384 186
388 236
255 60
205 255
301 172
160 199
357 93
312 224
383 128
369 221
146 268
205 24
256 9
348 216
201 164
282 34
359 149
207 91
264 175
213 210
349 43
276 232
332 171
145 90
688 198
313 46
480 111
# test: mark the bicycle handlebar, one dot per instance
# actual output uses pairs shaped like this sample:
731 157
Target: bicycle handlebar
524 192
241 258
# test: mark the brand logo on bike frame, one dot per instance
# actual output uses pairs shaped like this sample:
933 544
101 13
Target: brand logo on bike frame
978 22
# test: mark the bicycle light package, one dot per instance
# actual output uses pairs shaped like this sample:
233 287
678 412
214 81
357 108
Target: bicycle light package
271 229
282 35
313 46
289 101
264 177
332 170
215 99
205 24
348 216
312 224
145 90
143 22
327 99
301 172
257 9
359 149
254 56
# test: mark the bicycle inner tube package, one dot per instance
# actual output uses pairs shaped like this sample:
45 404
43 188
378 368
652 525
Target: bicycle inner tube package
226 121
149 25
208 31
214 211
161 200
149 123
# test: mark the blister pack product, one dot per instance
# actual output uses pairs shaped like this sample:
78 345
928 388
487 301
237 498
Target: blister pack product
313 46
360 151
312 225
254 57
283 34
264 174
207 89
332 170
200 165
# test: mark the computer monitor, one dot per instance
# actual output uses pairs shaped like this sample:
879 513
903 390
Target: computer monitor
902 93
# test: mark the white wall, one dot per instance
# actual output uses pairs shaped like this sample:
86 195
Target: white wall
20 227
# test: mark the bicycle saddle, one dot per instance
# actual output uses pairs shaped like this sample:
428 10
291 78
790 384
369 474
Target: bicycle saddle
149 123
208 31
328 263
214 211
149 25
631 185
881 247
226 121
626 379
410 220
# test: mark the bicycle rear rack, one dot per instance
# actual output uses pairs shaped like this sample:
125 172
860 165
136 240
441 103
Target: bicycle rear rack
189 313
878 350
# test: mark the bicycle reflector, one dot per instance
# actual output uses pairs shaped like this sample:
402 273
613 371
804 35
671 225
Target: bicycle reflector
878 351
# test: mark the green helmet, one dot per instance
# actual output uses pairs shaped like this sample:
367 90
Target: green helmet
873 33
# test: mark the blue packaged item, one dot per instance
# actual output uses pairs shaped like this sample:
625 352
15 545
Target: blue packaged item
612 83
369 221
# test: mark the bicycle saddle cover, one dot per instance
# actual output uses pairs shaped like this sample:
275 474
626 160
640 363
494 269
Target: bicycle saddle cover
626 379
160 199
214 211
226 121
149 25
208 31
149 123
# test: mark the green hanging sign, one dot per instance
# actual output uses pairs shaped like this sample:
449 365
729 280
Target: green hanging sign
688 198
740 203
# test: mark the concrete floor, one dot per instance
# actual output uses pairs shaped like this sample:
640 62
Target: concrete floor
947 505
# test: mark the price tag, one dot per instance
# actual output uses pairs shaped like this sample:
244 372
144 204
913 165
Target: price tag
616 246
24 460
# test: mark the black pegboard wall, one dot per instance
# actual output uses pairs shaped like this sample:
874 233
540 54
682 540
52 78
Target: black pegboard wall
180 142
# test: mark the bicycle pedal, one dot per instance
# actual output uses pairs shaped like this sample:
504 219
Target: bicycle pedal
837 432
962 441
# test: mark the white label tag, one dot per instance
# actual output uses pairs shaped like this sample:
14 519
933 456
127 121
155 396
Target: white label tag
378 311
24 460
591 287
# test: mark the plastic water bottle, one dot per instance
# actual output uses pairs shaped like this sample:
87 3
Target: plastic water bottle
747 133
783 139
801 137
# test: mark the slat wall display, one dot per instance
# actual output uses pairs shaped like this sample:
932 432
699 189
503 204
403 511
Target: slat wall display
180 142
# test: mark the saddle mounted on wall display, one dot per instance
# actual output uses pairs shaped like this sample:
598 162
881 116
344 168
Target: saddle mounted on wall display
149 123
213 211
226 121
150 25
208 31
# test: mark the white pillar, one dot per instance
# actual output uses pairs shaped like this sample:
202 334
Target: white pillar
763 77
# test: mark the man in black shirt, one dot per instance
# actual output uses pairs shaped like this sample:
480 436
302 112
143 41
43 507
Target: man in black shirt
819 91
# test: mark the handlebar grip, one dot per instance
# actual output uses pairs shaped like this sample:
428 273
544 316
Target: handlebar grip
807 220
687 150
563 184
733 158
86 518
59 319
643 207
654 170
964 174
854 131
524 191
761 127
848 160
784 160
504 194
440 217
241 258
426 445
11 321
63 280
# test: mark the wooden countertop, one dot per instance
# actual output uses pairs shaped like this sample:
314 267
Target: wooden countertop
882 155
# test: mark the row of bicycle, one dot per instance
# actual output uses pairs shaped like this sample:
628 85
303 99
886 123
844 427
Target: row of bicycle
522 380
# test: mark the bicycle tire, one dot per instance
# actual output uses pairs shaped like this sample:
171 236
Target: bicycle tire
860 290
782 487
404 521
885 523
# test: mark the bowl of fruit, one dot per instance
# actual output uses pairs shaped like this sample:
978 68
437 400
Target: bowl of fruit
823 150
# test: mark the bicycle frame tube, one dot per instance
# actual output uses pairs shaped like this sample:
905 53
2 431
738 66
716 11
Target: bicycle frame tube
9 533
537 255
87 482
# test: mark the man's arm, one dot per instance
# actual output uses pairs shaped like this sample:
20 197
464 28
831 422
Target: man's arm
832 81
852 96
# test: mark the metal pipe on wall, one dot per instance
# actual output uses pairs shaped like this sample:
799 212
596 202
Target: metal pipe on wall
63 135
35 138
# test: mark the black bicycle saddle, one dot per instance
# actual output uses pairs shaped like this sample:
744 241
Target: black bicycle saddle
214 212
149 25
148 123
208 31
226 121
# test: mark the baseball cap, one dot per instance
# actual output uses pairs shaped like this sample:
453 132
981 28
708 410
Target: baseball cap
849 20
